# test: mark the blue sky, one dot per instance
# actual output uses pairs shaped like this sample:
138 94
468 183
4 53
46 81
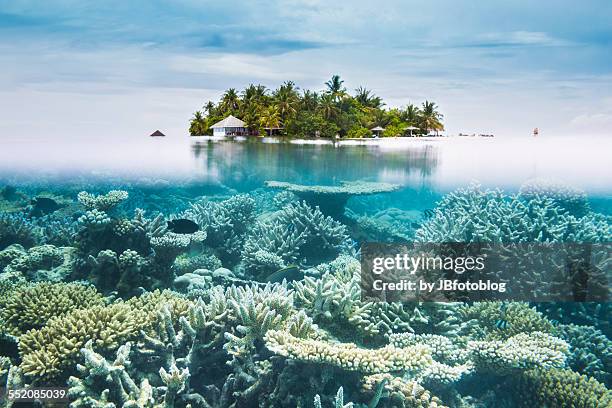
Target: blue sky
87 69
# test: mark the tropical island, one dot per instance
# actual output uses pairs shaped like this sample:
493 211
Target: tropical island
292 112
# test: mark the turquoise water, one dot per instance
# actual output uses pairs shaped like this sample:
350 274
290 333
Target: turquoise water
93 275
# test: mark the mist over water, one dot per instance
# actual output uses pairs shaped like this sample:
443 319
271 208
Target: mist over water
439 165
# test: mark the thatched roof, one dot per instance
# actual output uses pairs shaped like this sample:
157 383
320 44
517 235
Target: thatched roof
229 122
157 133
377 129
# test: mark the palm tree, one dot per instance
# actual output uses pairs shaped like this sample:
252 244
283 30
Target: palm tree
287 100
230 101
310 100
431 119
366 98
209 108
335 88
197 125
254 93
328 107
270 118
411 114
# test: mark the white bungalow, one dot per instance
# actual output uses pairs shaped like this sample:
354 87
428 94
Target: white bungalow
230 126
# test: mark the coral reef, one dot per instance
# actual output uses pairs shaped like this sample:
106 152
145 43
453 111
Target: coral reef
39 263
533 350
270 311
475 215
120 254
299 235
225 224
331 200
347 355
590 351
561 388
32 306
50 353
102 202
519 318
567 197
16 228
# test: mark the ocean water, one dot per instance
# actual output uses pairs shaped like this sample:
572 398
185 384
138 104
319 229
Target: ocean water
162 271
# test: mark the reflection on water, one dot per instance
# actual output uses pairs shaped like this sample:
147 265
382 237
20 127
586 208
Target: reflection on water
247 165
440 165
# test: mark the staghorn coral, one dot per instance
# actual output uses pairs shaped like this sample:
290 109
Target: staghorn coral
402 393
298 234
120 386
567 197
560 388
31 306
590 351
475 215
533 350
225 224
347 355
338 400
331 200
333 300
520 318
49 353
120 254
16 228
102 202
594 314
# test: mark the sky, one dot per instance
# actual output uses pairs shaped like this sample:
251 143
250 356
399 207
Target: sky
84 69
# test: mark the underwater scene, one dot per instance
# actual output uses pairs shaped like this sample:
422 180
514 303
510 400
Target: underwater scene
230 276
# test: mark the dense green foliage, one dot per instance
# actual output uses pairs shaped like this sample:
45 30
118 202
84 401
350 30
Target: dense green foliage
305 113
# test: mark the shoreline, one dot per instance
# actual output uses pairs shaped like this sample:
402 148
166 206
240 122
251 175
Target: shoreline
387 141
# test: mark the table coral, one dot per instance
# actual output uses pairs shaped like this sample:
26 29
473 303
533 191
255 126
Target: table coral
102 202
533 350
331 200
347 355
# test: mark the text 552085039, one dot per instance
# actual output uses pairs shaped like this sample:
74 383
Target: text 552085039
33 394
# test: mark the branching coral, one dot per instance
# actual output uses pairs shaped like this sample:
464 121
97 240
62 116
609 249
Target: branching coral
120 254
225 223
31 306
518 318
590 351
476 215
402 393
121 387
567 197
298 234
50 353
561 388
16 228
334 301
